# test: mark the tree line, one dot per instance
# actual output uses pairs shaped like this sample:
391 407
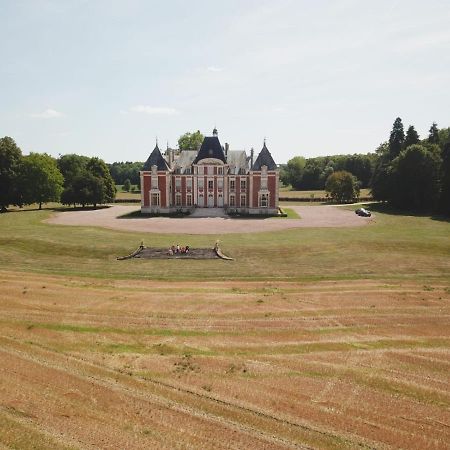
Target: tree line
412 173
40 178
312 173
405 171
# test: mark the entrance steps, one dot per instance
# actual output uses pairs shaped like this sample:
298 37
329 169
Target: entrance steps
208 212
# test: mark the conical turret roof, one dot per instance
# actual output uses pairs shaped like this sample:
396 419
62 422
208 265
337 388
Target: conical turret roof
156 159
264 159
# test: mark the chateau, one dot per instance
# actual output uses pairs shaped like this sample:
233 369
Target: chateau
212 177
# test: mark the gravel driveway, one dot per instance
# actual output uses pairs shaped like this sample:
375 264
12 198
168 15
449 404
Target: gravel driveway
311 216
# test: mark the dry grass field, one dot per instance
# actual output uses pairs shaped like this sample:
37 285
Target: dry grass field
310 338
116 364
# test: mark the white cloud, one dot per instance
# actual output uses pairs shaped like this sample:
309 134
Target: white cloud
154 110
214 69
48 114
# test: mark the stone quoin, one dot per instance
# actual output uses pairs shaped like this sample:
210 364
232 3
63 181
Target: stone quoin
212 177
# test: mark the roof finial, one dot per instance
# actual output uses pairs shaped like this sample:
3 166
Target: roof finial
215 133
265 138
167 147
156 139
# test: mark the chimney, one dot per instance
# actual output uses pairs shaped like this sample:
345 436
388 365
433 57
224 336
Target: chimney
251 157
227 147
170 154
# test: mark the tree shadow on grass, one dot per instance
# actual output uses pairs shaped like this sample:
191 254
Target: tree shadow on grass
80 208
32 208
385 208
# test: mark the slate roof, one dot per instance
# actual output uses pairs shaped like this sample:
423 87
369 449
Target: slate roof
156 159
184 160
210 148
237 160
264 159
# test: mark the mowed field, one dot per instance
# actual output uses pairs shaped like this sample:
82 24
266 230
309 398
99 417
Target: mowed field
330 338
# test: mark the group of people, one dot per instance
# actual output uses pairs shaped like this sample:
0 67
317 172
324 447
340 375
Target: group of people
176 249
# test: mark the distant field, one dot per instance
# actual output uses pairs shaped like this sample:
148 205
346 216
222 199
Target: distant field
310 338
121 194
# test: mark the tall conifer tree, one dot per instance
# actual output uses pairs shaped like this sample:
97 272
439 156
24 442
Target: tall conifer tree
433 137
396 139
412 137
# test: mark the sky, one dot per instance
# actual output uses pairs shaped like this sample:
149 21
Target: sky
106 78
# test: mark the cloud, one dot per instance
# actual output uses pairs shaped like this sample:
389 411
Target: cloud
214 69
154 110
47 114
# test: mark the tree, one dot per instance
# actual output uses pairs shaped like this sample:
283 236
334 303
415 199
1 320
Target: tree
190 141
416 178
80 186
433 137
412 137
293 172
396 139
40 179
311 175
10 158
127 185
120 171
72 165
98 168
444 197
342 187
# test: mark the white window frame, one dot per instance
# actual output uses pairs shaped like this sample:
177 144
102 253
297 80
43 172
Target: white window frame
158 199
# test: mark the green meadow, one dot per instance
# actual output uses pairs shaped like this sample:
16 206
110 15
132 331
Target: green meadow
393 246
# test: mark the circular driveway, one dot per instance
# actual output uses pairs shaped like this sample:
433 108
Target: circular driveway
310 217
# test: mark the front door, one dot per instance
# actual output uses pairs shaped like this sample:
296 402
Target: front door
210 200
220 200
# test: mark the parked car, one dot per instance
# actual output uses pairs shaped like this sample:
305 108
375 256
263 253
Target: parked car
363 212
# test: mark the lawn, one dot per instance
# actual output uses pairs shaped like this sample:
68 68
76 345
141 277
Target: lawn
395 246
317 338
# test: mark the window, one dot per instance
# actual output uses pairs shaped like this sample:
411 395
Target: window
189 183
177 199
189 200
243 183
154 199
263 200
220 183
187 171
210 184
154 181
243 201
178 183
232 183
200 182
220 171
210 170
232 200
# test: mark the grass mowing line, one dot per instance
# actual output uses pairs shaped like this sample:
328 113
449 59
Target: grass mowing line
90 329
237 415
